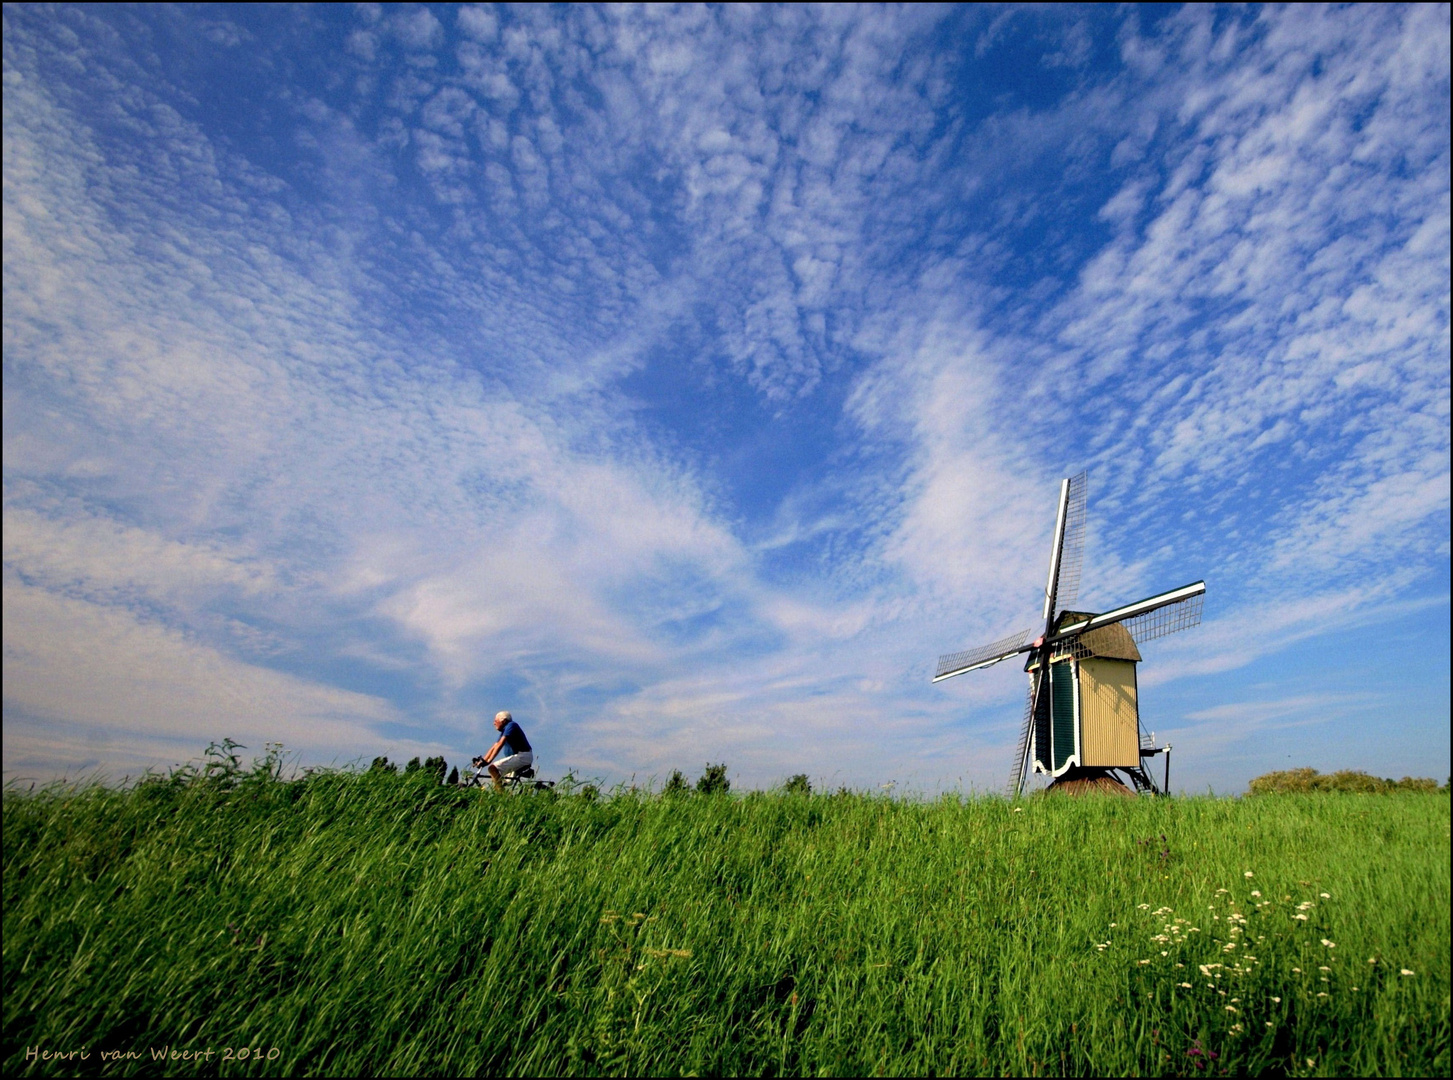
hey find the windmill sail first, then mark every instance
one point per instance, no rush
(1179, 615)
(1072, 554)
(1055, 551)
(957, 663)
(1021, 756)
(1153, 617)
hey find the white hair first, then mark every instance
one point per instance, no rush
(503, 714)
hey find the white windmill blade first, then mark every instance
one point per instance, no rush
(1055, 552)
(1189, 599)
(1021, 755)
(957, 663)
(1181, 615)
(1072, 547)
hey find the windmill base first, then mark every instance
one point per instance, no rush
(1080, 780)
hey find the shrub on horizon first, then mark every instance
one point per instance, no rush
(798, 785)
(1352, 781)
(714, 780)
(676, 785)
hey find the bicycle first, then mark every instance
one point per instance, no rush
(524, 780)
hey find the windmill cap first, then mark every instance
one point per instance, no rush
(1111, 642)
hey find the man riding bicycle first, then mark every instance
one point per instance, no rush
(518, 757)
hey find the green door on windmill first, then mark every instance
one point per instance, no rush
(1062, 712)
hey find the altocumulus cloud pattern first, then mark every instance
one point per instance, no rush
(686, 380)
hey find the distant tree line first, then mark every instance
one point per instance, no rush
(712, 781)
(435, 766)
(1352, 781)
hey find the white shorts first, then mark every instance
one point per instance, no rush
(514, 763)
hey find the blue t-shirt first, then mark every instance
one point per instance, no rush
(514, 737)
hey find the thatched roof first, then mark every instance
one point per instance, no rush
(1111, 642)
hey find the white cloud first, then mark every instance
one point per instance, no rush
(89, 686)
(90, 556)
(418, 28)
(478, 22)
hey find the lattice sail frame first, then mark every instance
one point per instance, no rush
(1163, 621)
(1003, 648)
(1182, 615)
(1021, 755)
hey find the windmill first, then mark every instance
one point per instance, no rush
(1082, 717)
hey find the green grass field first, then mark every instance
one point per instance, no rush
(374, 924)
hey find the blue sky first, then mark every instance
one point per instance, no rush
(686, 380)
